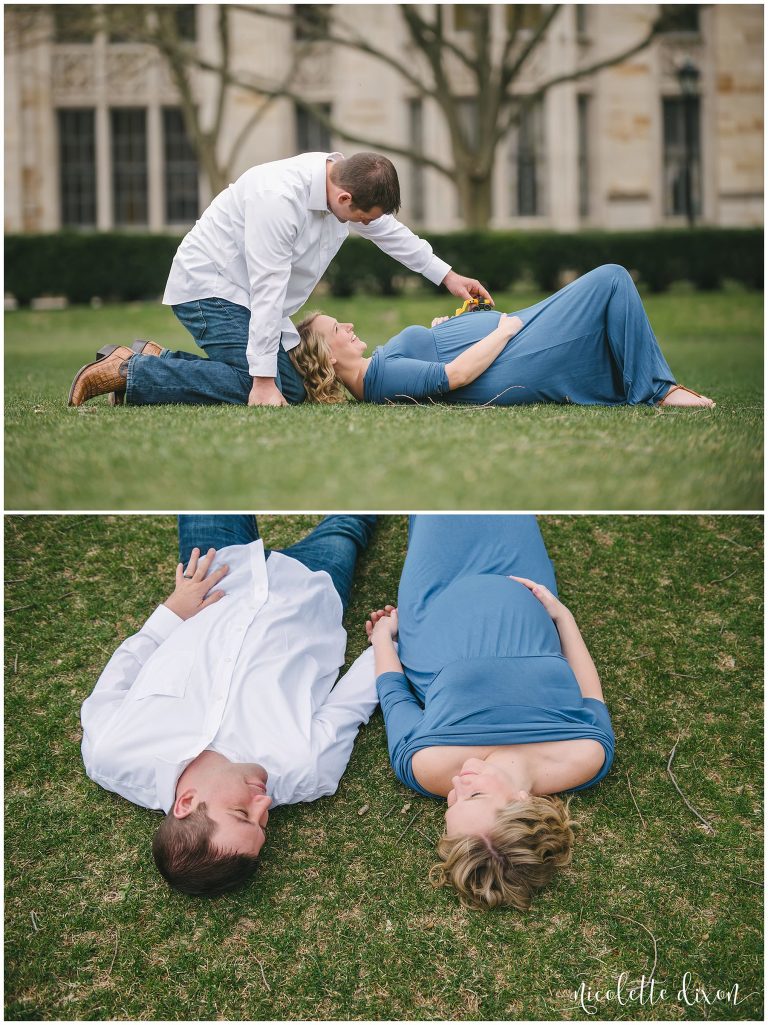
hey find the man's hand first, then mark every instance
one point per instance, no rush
(465, 288)
(554, 607)
(194, 587)
(383, 623)
(264, 392)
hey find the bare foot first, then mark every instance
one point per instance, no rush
(679, 395)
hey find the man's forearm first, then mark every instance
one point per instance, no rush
(578, 657)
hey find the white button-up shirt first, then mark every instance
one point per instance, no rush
(251, 677)
(265, 242)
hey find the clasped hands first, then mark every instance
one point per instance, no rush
(383, 623)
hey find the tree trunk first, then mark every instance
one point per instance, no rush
(475, 195)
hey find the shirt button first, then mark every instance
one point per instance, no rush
(227, 659)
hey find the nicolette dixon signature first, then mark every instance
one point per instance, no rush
(649, 991)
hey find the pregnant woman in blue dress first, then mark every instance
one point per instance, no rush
(492, 701)
(589, 343)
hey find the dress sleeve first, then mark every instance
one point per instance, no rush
(602, 719)
(402, 716)
(403, 378)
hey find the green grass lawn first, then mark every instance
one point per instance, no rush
(354, 456)
(341, 922)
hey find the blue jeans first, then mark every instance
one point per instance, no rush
(220, 328)
(333, 545)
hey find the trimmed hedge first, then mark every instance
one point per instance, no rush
(703, 256)
(118, 266)
(112, 265)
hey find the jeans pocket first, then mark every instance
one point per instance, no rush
(192, 317)
(230, 310)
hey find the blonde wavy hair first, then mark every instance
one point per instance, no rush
(312, 359)
(529, 841)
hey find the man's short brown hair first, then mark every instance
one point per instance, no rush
(189, 861)
(370, 179)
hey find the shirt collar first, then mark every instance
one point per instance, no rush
(318, 197)
(167, 775)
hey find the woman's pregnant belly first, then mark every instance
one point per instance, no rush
(479, 616)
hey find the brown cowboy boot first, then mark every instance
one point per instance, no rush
(140, 348)
(104, 375)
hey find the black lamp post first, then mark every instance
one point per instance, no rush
(688, 77)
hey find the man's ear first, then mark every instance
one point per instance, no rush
(345, 198)
(185, 803)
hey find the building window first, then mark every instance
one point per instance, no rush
(582, 13)
(465, 17)
(179, 170)
(523, 16)
(312, 135)
(77, 167)
(129, 165)
(125, 23)
(528, 165)
(73, 23)
(311, 21)
(416, 139)
(186, 22)
(583, 105)
(681, 17)
(682, 154)
(467, 111)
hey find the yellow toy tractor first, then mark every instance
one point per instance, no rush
(471, 306)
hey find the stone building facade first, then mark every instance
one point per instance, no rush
(94, 136)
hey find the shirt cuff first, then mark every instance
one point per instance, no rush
(262, 366)
(436, 270)
(162, 623)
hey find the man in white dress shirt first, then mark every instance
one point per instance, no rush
(248, 264)
(223, 705)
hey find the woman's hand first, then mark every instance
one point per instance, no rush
(439, 320)
(553, 605)
(194, 587)
(383, 623)
(509, 326)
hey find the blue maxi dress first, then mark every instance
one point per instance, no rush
(481, 657)
(589, 343)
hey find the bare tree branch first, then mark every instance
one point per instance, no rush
(530, 97)
(509, 73)
(439, 35)
(356, 42)
(222, 23)
(285, 91)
